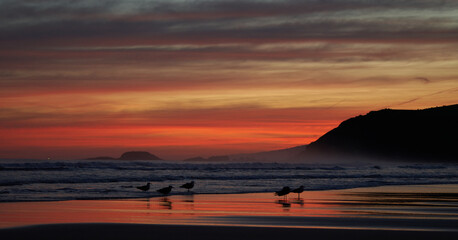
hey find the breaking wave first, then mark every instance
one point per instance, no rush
(62, 180)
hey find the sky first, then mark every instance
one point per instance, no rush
(177, 78)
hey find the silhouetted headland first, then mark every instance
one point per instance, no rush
(428, 135)
(388, 134)
(133, 155)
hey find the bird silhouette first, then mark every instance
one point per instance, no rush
(188, 185)
(144, 187)
(283, 192)
(298, 190)
(165, 190)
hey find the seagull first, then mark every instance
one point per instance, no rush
(298, 190)
(188, 185)
(145, 187)
(165, 190)
(283, 192)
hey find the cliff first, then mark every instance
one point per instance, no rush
(428, 134)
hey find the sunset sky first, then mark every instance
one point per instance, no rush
(200, 78)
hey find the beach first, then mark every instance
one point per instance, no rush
(142, 231)
(412, 211)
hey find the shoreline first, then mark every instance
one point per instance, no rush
(193, 193)
(385, 208)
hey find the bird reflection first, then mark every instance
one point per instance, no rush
(188, 198)
(148, 204)
(285, 204)
(299, 201)
(188, 204)
(165, 203)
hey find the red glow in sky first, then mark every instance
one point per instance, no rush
(181, 79)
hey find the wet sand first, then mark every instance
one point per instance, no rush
(147, 231)
(390, 211)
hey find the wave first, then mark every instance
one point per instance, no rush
(171, 166)
(143, 165)
(93, 194)
(62, 180)
(417, 166)
(68, 180)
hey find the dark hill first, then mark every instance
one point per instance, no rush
(428, 134)
(282, 155)
(134, 155)
(137, 155)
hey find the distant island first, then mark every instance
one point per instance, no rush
(401, 135)
(282, 155)
(133, 155)
(429, 135)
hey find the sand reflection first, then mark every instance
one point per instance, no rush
(165, 203)
(362, 208)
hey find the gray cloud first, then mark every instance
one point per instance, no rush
(230, 21)
(12, 9)
(79, 33)
(423, 79)
(80, 40)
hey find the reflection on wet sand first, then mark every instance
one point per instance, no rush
(188, 198)
(285, 204)
(148, 203)
(339, 208)
(165, 203)
(188, 204)
(299, 201)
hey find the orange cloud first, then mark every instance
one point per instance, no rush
(184, 78)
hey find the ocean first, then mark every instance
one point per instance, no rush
(38, 180)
